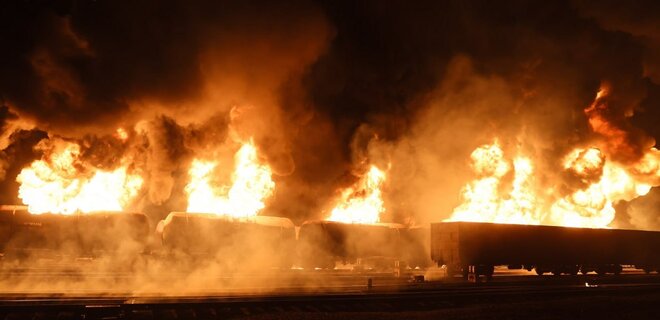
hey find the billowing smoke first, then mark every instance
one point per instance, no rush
(325, 89)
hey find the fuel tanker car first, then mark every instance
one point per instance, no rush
(470, 249)
(323, 243)
(24, 235)
(234, 242)
(473, 249)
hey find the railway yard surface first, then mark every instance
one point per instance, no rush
(70, 292)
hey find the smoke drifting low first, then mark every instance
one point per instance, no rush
(325, 89)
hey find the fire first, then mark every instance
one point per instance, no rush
(484, 199)
(617, 140)
(490, 199)
(121, 134)
(600, 182)
(251, 185)
(593, 205)
(363, 203)
(61, 183)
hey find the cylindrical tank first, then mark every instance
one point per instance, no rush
(321, 243)
(110, 232)
(90, 234)
(28, 234)
(260, 241)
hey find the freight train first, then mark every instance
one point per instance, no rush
(198, 238)
(464, 248)
(473, 249)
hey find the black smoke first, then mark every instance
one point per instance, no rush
(321, 79)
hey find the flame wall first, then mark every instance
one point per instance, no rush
(326, 89)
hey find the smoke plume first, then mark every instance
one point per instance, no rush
(326, 88)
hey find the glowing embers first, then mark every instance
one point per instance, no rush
(251, 185)
(62, 183)
(362, 203)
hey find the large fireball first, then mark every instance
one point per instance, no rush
(602, 181)
(251, 185)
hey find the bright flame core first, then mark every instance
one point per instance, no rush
(57, 185)
(592, 183)
(363, 203)
(484, 199)
(490, 199)
(252, 184)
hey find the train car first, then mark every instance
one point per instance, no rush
(25, 235)
(237, 242)
(415, 250)
(322, 243)
(110, 233)
(473, 249)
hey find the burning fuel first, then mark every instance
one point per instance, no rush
(363, 202)
(251, 185)
(481, 119)
(62, 183)
(484, 200)
(603, 182)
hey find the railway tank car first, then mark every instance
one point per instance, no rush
(234, 242)
(24, 235)
(473, 249)
(110, 233)
(322, 243)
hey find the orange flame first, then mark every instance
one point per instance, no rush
(56, 185)
(489, 199)
(593, 205)
(602, 181)
(364, 203)
(617, 140)
(252, 183)
(484, 200)
(121, 134)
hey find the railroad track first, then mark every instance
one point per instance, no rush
(416, 297)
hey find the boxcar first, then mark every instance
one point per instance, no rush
(474, 248)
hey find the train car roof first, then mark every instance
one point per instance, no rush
(260, 220)
(24, 209)
(11, 207)
(381, 224)
(468, 223)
